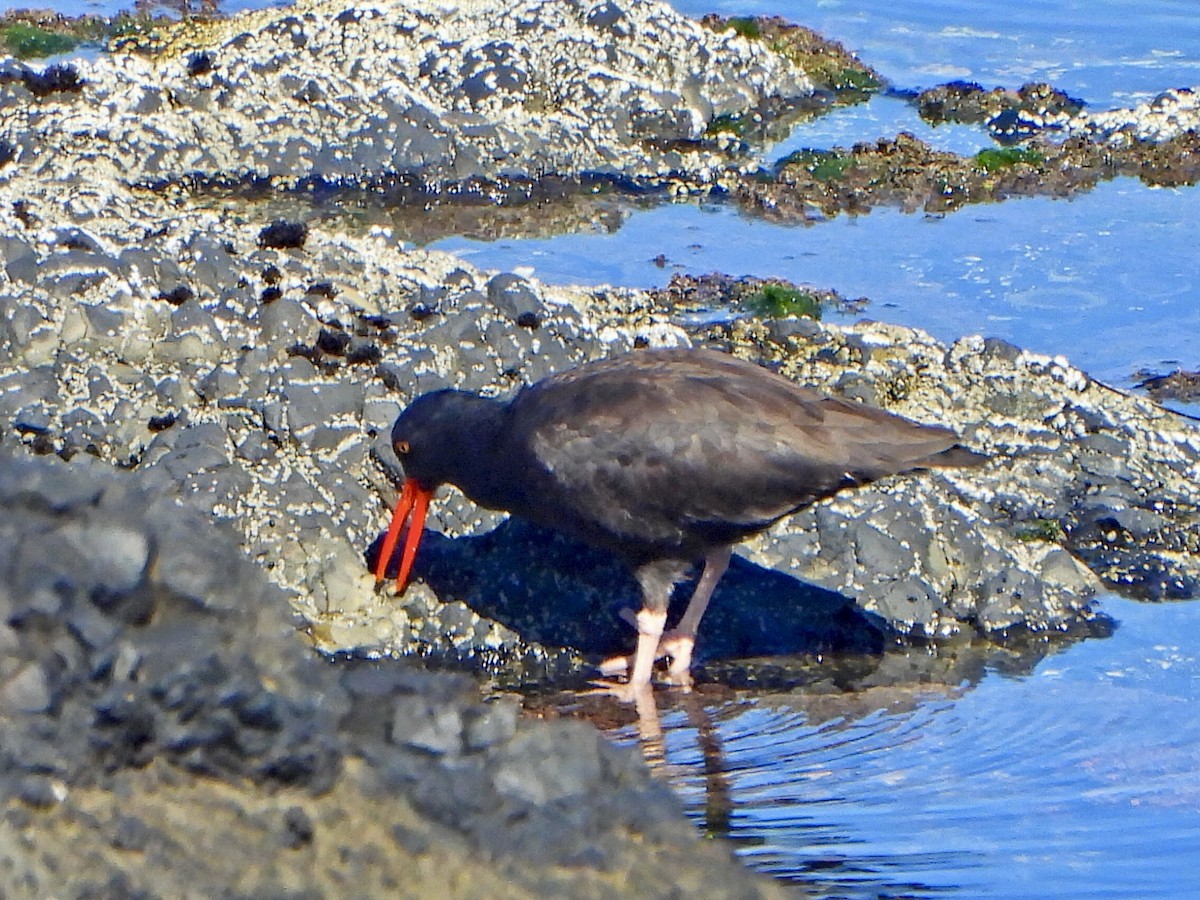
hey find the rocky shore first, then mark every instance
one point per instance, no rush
(165, 733)
(210, 392)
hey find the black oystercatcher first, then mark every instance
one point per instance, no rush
(663, 457)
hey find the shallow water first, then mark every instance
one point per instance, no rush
(1109, 54)
(1081, 778)
(1108, 279)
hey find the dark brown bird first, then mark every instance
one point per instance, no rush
(663, 457)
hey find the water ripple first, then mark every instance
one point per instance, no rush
(1081, 778)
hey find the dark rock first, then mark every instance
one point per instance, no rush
(61, 78)
(283, 235)
(410, 840)
(421, 311)
(131, 834)
(607, 16)
(335, 343)
(178, 295)
(513, 296)
(162, 423)
(298, 828)
(200, 63)
(36, 793)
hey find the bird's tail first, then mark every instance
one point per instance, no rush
(951, 457)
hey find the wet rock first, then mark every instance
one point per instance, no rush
(1181, 385)
(55, 79)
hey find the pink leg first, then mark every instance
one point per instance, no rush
(681, 640)
(650, 628)
(637, 689)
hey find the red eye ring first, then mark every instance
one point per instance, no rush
(402, 447)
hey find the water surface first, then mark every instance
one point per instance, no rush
(1110, 53)
(1080, 778)
(1109, 278)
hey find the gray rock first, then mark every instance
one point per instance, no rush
(420, 724)
(214, 702)
(26, 691)
(574, 769)
(496, 724)
(286, 323)
(122, 552)
(513, 296)
(20, 259)
(213, 266)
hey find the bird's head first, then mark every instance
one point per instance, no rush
(442, 437)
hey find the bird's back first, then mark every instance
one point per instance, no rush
(666, 452)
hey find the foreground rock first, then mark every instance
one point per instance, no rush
(152, 681)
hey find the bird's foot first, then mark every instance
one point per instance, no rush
(682, 680)
(613, 666)
(625, 691)
(677, 645)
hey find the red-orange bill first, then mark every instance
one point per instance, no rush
(414, 499)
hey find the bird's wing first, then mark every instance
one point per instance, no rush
(655, 441)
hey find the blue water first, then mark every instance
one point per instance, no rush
(1109, 279)
(1109, 52)
(1081, 779)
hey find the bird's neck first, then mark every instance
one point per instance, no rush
(477, 465)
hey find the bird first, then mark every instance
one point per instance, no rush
(664, 457)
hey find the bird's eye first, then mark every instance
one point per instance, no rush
(402, 447)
